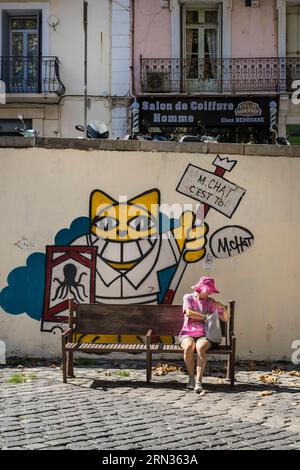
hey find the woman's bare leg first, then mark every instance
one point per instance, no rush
(188, 346)
(202, 346)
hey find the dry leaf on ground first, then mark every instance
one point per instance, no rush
(278, 371)
(265, 393)
(295, 373)
(163, 369)
(268, 379)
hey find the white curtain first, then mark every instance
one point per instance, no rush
(211, 41)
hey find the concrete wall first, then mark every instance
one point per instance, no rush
(45, 190)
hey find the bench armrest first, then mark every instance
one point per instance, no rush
(67, 333)
(232, 337)
(148, 339)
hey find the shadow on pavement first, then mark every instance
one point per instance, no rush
(107, 385)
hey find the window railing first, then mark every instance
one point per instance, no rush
(31, 74)
(269, 75)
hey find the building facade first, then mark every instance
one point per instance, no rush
(42, 65)
(228, 65)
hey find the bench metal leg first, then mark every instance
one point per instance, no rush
(64, 361)
(228, 367)
(149, 367)
(232, 363)
(70, 367)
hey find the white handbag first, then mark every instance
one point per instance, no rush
(213, 330)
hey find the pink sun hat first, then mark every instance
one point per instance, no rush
(206, 285)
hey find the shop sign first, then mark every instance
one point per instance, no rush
(177, 112)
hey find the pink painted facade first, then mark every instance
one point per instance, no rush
(152, 32)
(254, 30)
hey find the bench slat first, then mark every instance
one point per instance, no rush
(104, 347)
(128, 319)
(136, 320)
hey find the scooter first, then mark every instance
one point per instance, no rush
(153, 136)
(95, 130)
(201, 137)
(276, 138)
(24, 131)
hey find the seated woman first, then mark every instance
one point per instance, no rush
(196, 307)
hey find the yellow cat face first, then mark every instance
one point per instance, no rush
(125, 222)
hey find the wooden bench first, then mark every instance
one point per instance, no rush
(150, 321)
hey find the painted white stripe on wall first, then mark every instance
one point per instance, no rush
(120, 51)
(120, 41)
(120, 63)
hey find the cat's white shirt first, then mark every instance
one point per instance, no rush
(140, 284)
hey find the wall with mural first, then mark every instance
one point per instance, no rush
(142, 227)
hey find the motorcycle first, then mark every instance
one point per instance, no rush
(24, 131)
(95, 130)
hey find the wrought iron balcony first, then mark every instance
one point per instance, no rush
(194, 75)
(31, 74)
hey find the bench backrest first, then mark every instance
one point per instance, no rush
(163, 320)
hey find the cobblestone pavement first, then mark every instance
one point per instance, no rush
(109, 406)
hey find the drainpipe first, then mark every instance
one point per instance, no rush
(85, 27)
(132, 82)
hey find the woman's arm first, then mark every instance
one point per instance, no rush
(194, 315)
(225, 315)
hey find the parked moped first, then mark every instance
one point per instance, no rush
(24, 131)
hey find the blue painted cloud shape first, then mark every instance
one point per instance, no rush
(25, 288)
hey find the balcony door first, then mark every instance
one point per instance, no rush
(21, 50)
(201, 48)
(293, 31)
(293, 45)
(23, 44)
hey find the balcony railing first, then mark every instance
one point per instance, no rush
(268, 75)
(31, 74)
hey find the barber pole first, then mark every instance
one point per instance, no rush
(135, 116)
(273, 113)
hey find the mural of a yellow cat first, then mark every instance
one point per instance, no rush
(132, 250)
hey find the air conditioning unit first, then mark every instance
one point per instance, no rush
(157, 82)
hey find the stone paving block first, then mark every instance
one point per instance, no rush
(148, 418)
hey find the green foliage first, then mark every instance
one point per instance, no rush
(122, 373)
(19, 378)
